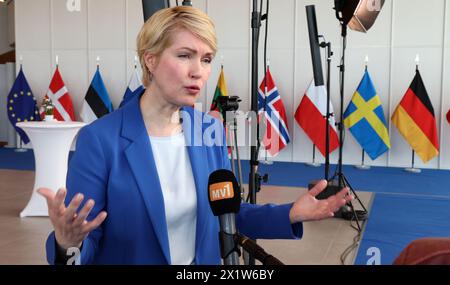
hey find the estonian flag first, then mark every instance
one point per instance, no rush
(96, 102)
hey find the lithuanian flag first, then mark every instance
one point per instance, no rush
(414, 118)
(221, 90)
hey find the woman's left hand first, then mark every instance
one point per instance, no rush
(307, 207)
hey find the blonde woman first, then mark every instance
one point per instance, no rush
(144, 175)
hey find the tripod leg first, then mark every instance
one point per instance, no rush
(353, 192)
(345, 183)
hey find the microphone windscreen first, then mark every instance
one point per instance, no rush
(224, 194)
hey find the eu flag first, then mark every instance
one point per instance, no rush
(364, 117)
(22, 105)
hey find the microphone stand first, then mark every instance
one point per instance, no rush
(259, 253)
(327, 46)
(254, 177)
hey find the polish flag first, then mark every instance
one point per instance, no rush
(311, 116)
(58, 93)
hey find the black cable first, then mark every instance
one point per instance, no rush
(350, 248)
(177, 3)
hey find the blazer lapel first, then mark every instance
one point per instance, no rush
(192, 129)
(140, 157)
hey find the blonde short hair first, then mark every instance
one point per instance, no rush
(156, 33)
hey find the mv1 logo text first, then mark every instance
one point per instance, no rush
(221, 191)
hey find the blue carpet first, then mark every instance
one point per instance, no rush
(9, 159)
(377, 179)
(396, 220)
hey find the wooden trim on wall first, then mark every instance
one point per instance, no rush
(9, 56)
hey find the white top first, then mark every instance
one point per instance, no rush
(180, 197)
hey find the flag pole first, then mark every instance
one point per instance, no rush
(412, 169)
(364, 166)
(313, 163)
(20, 149)
(98, 62)
(266, 161)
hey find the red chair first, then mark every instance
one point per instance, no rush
(425, 251)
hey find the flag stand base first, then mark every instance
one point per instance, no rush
(413, 170)
(362, 167)
(266, 162)
(313, 164)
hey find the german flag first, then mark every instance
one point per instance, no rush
(414, 118)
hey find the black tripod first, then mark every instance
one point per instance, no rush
(342, 181)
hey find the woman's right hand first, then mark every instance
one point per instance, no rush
(70, 228)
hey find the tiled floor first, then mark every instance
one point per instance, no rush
(22, 240)
(323, 241)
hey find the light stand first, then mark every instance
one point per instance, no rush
(359, 15)
(342, 181)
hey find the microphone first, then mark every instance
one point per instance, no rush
(225, 201)
(256, 251)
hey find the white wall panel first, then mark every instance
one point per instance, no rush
(232, 20)
(418, 23)
(134, 22)
(106, 20)
(32, 18)
(69, 28)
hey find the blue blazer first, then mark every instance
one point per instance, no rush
(113, 164)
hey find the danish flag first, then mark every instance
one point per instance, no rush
(58, 93)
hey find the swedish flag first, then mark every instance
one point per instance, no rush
(21, 105)
(364, 117)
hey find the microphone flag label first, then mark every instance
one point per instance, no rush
(221, 191)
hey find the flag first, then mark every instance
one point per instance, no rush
(21, 105)
(58, 93)
(414, 118)
(134, 88)
(277, 131)
(221, 90)
(96, 103)
(448, 116)
(364, 117)
(311, 117)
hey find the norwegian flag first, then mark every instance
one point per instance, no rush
(277, 131)
(58, 93)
